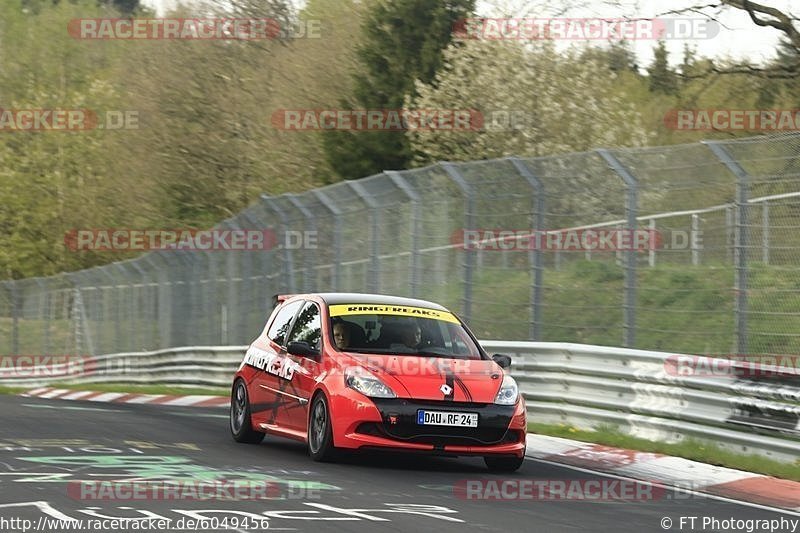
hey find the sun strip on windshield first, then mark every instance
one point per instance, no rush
(400, 310)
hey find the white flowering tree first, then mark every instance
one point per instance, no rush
(534, 100)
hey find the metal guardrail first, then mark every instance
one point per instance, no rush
(581, 385)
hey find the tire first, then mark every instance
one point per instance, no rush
(320, 431)
(240, 422)
(503, 464)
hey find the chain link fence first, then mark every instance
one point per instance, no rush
(510, 244)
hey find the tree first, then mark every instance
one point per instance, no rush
(402, 41)
(621, 57)
(662, 78)
(562, 102)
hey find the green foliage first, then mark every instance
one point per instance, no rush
(662, 77)
(571, 102)
(402, 41)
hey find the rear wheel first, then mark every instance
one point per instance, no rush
(241, 424)
(320, 431)
(503, 464)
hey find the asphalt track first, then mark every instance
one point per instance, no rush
(46, 445)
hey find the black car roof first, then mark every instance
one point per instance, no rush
(333, 298)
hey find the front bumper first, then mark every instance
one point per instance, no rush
(392, 423)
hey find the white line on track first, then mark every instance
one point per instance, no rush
(193, 415)
(667, 486)
(72, 408)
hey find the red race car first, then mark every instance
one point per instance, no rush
(359, 371)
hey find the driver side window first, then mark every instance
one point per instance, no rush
(280, 326)
(308, 326)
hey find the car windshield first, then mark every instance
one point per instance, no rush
(400, 330)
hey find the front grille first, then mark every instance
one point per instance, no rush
(400, 423)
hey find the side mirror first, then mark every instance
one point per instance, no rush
(503, 360)
(302, 348)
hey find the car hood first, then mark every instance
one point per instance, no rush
(429, 378)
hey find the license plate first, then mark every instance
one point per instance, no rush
(447, 418)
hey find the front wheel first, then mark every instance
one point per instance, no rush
(320, 432)
(241, 424)
(503, 464)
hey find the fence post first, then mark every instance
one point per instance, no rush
(40, 315)
(765, 232)
(740, 241)
(375, 249)
(730, 233)
(308, 263)
(101, 338)
(232, 307)
(337, 236)
(651, 253)
(13, 295)
(469, 217)
(263, 268)
(286, 251)
(414, 199)
(693, 239)
(536, 253)
(631, 212)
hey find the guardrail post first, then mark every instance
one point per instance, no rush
(308, 263)
(375, 252)
(740, 240)
(631, 211)
(287, 253)
(414, 199)
(337, 237)
(536, 253)
(469, 217)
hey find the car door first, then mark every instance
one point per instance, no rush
(266, 355)
(307, 328)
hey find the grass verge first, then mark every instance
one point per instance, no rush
(693, 449)
(13, 390)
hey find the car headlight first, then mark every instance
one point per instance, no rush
(366, 383)
(508, 393)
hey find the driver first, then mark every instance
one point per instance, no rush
(412, 336)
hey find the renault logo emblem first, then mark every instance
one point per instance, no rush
(446, 389)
